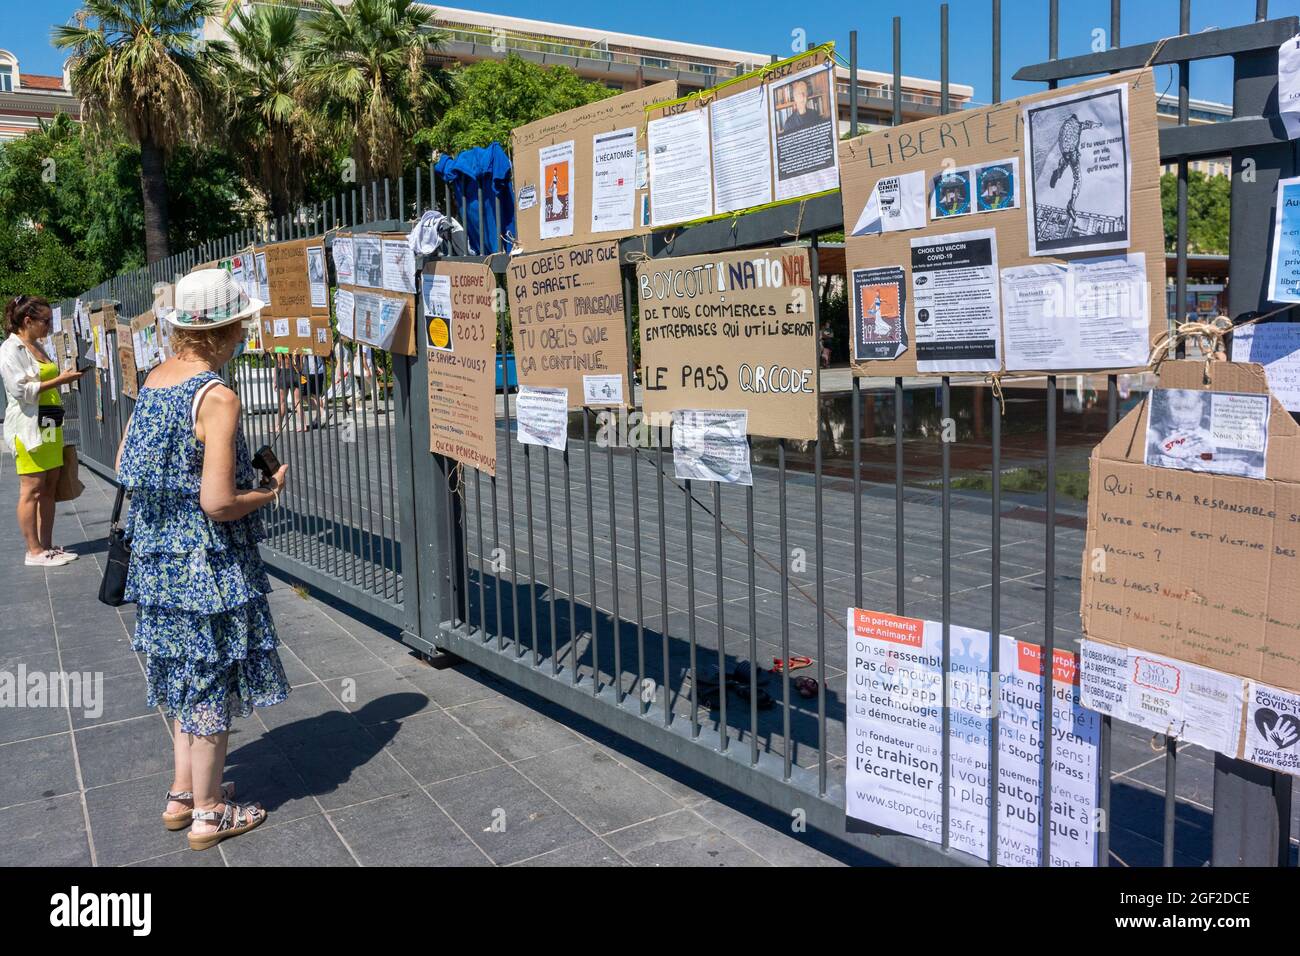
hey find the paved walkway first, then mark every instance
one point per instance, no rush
(376, 758)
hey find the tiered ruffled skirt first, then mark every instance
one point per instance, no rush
(202, 620)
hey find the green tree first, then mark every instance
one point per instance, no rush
(33, 261)
(1209, 201)
(83, 193)
(273, 136)
(364, 70)
(492, 97)
(140, 68)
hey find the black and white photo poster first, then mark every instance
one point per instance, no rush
(316, 278)
(1080, 172)
(710, 444)
(805, 133)
(1224, 433)
(1272, 727)
(955, 296)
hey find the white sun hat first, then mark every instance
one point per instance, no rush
(209, 298)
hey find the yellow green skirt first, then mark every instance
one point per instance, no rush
(43, 457)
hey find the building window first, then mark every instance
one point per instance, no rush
(707, 69)
(6, 78)
(655, 62)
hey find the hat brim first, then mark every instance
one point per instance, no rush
(254, 306)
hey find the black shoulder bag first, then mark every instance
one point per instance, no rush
(112, 590)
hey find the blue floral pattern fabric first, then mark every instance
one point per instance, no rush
(203, 621)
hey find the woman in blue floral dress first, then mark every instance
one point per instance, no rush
(203, 621)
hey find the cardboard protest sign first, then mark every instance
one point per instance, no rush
(765, 137)
(126, 358)
(366, 318)
(734, 330)
(571, 172)
(460, 325)
(1196, 565)
(566, 309)
(1091, 181)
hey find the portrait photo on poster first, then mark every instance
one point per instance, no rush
(1079, 178)
(879, 301)
(1224, 433)
(805, 133)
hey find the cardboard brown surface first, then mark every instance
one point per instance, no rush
(713, 329)
(580, 125)
(461, 352)
(404, 340)
(770, 76)
(566, 308)
(1200, 567)
(130, 383)
(987, 135)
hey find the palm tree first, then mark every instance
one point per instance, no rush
(139, 66)
(273, 135)
(363, 67)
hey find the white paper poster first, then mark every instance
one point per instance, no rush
(1192, 703)
(613, 186)
(1079, 176)
(280, 327)
(1284, 269)
(710, 445)
(556, 211)
(1272, 727)
(602, 390)
(56, 319)
(369, 261)
(805, 132)
(304, 329)
(317, 280)
(955, 297)
(542, 416)
(1084, 314)
(680, 181)
(1288, 86)
(896, 203)
(344, 256)
(263, 281)
(399, 266)
(1276, 346)
(742, 153)
(344, 308)
(1224, 433)
(893, 776)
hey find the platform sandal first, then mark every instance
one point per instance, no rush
(237, 818)
(181, 819)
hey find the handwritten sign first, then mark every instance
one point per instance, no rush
(1199, 567)
(566, 308)
(732, 331)
(460, 345)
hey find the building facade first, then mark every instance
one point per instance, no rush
(625, 61)
(28, 99)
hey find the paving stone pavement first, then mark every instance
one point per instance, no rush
(376, 758)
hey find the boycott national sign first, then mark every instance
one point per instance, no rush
(731, 331)
(460, 341)
(893, 777)
(566, 308)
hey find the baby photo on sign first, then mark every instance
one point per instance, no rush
(1223, 433)
(878, 302)
(1079, 172)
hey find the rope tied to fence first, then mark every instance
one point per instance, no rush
(994, 380)
(1207, 336)
(798, 223)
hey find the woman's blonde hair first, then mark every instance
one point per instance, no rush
(205, 342)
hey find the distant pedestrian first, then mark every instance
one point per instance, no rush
(203, 621)
(34, 423)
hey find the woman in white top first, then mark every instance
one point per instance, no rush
(34, 423)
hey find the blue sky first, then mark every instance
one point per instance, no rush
(767, 26)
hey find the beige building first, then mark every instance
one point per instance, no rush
(625, 61)
(28, 99)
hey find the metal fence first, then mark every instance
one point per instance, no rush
(597, 580)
